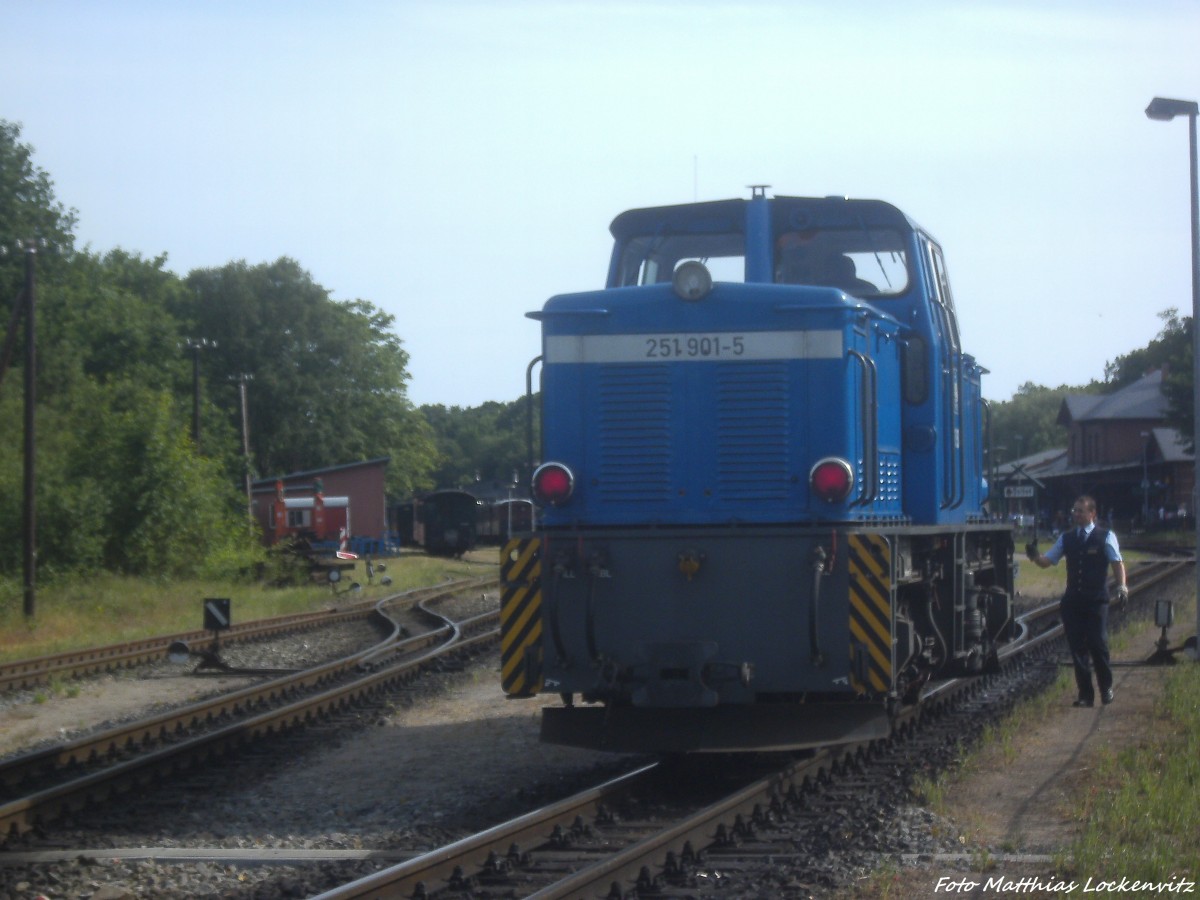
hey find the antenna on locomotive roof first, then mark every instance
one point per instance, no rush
(758, 191)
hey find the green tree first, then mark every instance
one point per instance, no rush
(487, 443)
(1172, 350)
(121, 487)
(171, 509)
(107, 318)
(119, 484)
(28, 210)
(329, 377)
(1027, 423)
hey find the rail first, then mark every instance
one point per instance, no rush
(74, 663)
(530, 853)
(59, 779)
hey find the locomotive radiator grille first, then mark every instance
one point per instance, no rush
(752, 432)
(521, 617)
(635, 433)
(870, 613)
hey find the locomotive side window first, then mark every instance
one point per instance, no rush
(945, 301)
(866, 262)
(652, 259)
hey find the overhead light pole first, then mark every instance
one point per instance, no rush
(241, 378)
(30, 517)
(1162, 109)
(26, 304)
(195, 345)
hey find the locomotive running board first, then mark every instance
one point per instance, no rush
(719, 729)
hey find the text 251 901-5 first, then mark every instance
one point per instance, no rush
(694, 346)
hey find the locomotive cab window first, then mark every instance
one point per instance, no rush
(653, 259)
(947, 317)
(866, 262)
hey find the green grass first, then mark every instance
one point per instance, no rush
(1048, 584)
(1139, 814)
(108, 609)
(1141, 810)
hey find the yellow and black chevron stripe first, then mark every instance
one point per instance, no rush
(521, 617)
(870, 613)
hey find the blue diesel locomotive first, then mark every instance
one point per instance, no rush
(762, 493)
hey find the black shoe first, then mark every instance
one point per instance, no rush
(1106, 697)
(1082, 701)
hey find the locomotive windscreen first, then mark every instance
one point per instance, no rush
(861, 261)
(652, 259)
(866, 261)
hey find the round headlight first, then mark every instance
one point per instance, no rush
(692, 280)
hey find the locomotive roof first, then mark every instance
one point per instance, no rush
(793, 212)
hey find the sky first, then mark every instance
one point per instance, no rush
(458, 163)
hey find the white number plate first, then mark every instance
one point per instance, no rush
(722, 346)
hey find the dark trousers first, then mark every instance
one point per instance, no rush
(1086, 628)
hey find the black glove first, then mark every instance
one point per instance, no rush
(1031, 550)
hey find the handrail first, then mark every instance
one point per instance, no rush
(529, 457)
(960, 444)
(870, 428)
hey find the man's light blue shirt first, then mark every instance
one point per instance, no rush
(1111, 548)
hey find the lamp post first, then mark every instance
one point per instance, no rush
(195, 345)
(241, 379)
(1162, 109)
(29, 566)
(26, 303)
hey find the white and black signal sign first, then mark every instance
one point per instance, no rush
(216, 614)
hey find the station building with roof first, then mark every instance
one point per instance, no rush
(1121, 449)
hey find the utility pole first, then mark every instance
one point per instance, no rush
(242, 378)
(195, 345)
(1164, 109)
(30, 517)
(26, 304)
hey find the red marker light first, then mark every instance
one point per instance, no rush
(831, 480)
(553, 484)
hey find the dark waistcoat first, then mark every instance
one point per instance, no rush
(1087, 566)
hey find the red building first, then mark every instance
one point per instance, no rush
(353, 496)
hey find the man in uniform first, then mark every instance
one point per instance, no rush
(1090, 551)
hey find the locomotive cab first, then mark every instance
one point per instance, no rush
(761, 485)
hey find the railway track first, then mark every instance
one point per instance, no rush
(799, 814)
(623, 838)
(89, 661)
(42, 785)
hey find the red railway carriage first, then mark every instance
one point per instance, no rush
(312, 516)
(502, 519)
